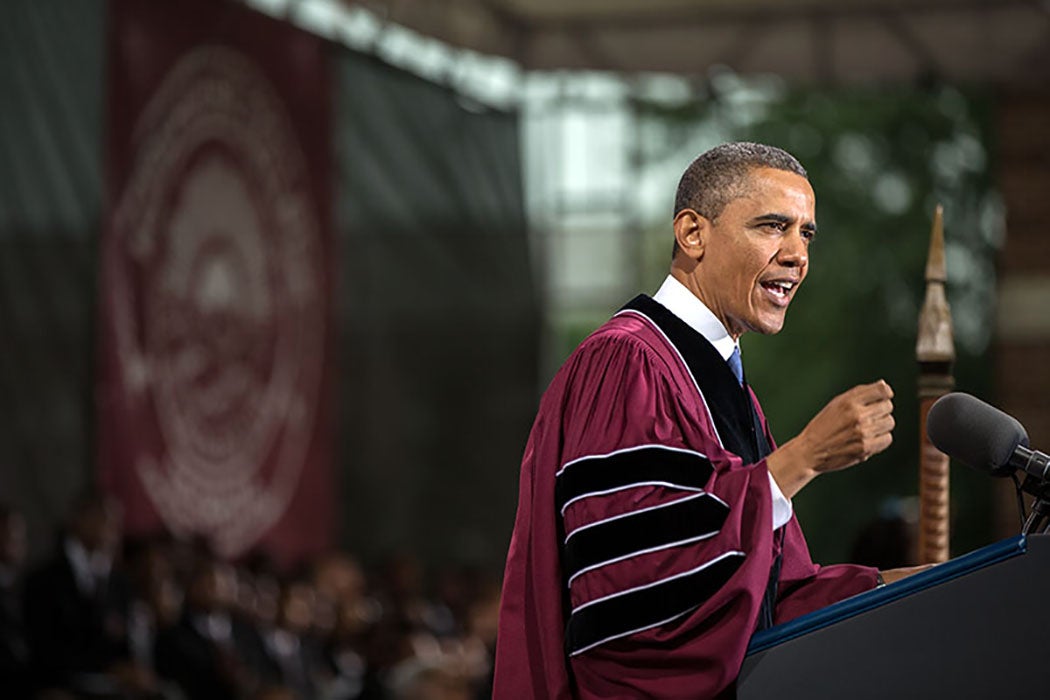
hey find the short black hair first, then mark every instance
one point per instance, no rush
(718, 176)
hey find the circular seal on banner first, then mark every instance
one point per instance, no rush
(217, 282)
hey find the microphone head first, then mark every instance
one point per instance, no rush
(975, 433)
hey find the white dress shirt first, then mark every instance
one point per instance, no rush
(90, 569)
(676, 298)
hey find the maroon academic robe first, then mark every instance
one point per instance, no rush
(644, 541)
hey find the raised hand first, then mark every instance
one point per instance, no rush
(853, 426)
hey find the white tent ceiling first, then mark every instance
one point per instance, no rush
(812, 41)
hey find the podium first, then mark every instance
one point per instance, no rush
(976, 627)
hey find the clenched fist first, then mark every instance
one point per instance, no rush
(853, 426)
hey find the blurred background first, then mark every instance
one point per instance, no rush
(284, 280)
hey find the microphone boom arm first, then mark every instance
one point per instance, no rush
(1033, 462)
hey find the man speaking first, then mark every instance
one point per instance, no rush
(655, 532)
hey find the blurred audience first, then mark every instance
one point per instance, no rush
(164, 617)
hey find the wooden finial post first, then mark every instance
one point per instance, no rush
(935, 352)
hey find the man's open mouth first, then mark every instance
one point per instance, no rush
(781, 289)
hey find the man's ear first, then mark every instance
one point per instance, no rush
(690, 233)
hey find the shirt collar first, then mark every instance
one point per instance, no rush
(80, 563)
(677, 299)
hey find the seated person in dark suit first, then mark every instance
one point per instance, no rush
(293, 658)
(76, 605)
(209, 653)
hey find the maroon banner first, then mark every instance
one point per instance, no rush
(214, 413)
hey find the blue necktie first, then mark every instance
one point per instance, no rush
(737, 366)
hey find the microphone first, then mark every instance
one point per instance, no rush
(983, 437)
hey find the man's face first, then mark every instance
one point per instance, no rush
(99, 527)
(756, 253)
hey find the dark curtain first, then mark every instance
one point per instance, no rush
(438, 316)
(50, 200)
